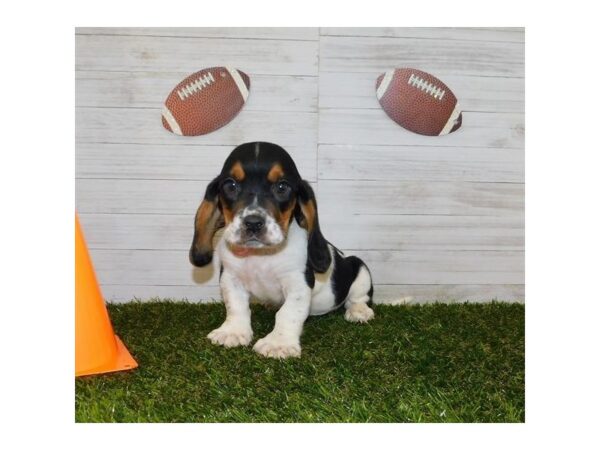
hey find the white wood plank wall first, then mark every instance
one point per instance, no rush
(438, 219)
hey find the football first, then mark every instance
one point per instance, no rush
(205, 101)
(418, 102)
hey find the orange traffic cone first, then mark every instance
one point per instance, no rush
(97, 348)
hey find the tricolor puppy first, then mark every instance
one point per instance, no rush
(273, 251)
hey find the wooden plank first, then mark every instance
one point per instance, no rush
(422, 232)
(115, 196)
(166, 162)
(470, 34)
(151, 268)
(187, 55)
(138, 231)
(420, 197)
(172, 267)
(430, 293)
(487, 94)
(150, 89)
(370, 162)
(356, 232)
(384, 293)
(438, 56)
(444, 267)
(373, 126)
(143, 126)
(139, 196)
(287, 33)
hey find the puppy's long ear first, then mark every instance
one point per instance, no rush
(306, 214)
(208, 220)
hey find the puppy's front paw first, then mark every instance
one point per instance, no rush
(229, 335)
(359, 313)
(279, 347)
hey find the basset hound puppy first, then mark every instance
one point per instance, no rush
(272, 250)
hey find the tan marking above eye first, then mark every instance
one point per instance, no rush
(275, 173)
(237, 172)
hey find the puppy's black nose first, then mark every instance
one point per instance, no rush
(254, 223)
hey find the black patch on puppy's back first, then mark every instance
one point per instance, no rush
(309, 276)
(344, 273)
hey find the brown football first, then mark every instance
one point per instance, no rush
(205, 101)
(418, 102)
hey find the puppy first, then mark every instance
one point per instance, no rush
(272, 250)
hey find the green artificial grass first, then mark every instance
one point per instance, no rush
(431, 363)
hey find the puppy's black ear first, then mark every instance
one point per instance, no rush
(306, 214)
(209, 219)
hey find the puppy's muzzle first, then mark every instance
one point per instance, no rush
(253, 227)
(254, 224)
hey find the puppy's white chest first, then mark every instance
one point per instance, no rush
(261, 286)
(264, 276)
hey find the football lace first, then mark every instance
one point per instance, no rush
(431, 89)
(195, 86)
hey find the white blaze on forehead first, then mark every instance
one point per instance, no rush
(256, 150)
(252, 209)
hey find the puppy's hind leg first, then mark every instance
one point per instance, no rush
(359, 295)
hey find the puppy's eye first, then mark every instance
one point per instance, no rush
(281, 190)
(230, 188)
